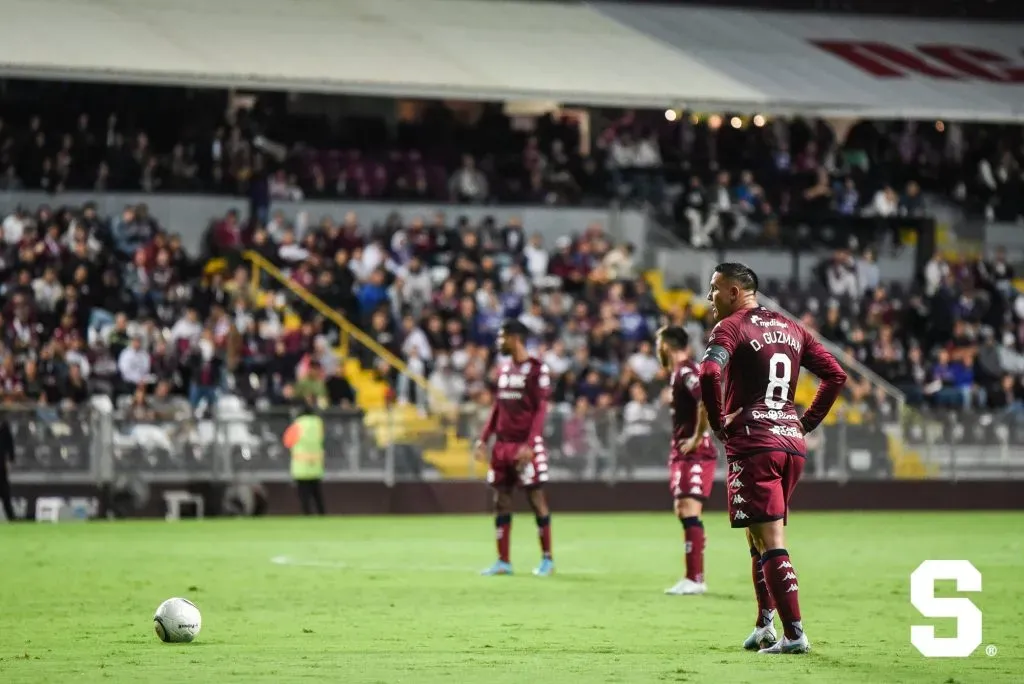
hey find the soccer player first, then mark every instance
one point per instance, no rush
(692, 455)
(518, 457)
(760, 353)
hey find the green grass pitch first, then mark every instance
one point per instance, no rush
(398, 599)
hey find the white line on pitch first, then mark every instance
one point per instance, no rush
(341, 565)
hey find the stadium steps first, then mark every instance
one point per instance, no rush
(388, 422)
(907, 463)
(455, 460)
(666, 299)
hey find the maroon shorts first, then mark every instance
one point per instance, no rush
(759, 487)
(505, 470)
(691, 478)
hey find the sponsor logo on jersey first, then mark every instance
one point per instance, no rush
(768, 322)
(773, 415)
(511, 386)
(787, 431)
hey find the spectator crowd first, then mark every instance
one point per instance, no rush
(953, 339)
(115, 306)
(717, 179)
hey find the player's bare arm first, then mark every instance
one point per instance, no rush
(480, 447)
(690, 445)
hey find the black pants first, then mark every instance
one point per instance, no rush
(311, 496)
(5, 494)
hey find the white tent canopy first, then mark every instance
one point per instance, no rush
(597, 54)
(470, 49)
(779, 55)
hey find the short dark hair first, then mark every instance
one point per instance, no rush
(514, 327)
(741, 273)
(675, 336)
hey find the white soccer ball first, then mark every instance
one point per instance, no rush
(177, 620)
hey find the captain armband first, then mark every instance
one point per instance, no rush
(717, 354)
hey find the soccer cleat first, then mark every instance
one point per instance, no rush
(761, 638)
(545, 569)
(687, 587)
(499, 568)
(786, 646)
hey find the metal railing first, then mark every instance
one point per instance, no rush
(93, 446)
(348, 330)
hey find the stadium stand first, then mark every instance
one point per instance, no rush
(217, 216)
(392, 319)
(122, 300)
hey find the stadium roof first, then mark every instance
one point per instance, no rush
(597, 54)
(877, 67)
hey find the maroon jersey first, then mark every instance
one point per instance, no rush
(685, 384)
(760, 353)
(518, 413)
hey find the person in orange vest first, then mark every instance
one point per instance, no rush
(305, 439)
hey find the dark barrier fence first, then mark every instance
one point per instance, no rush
(121, 464)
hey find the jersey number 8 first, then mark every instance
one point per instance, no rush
(780, 372)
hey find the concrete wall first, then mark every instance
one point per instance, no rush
(189, 215)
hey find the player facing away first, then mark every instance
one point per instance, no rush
(755, 355)
(518, 458)
(691, 459)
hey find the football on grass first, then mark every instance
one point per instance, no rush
(177, 621)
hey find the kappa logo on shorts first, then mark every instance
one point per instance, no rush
(737, 500)
(736, 468)
(735, 484)
(789, 576)
(696, 479)
(695, 490)
(740, 515)
(785, 564)
(695, 468)
(791, 588)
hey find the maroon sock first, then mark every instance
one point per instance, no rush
(693, 533)
(503, 528)
(544, 531)
(782, 582)
(765, 603)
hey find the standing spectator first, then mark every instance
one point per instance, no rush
(6, 460)
(468, 184)
(206, 369)
(446, 383)
(868, 274)
(840, 275)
